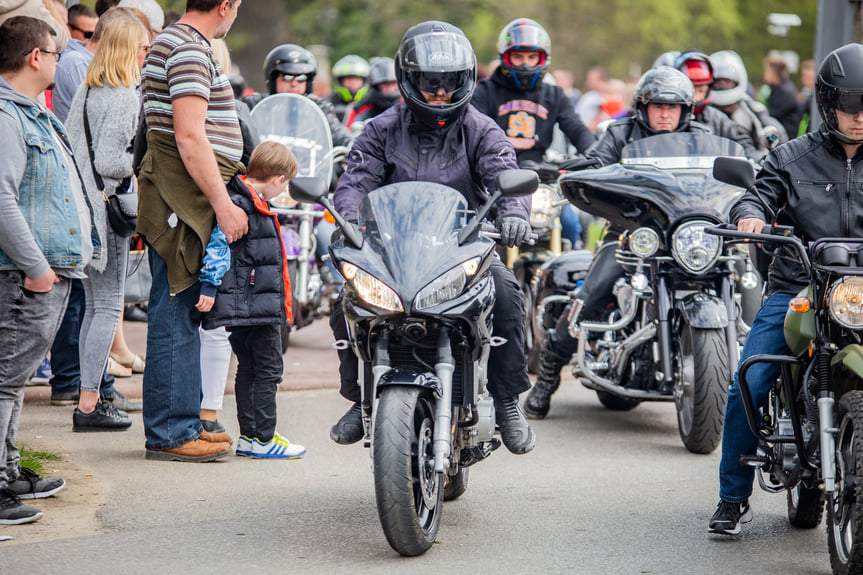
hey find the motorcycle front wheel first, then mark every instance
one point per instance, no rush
(844, 520)
(701, 387)
(408, 491)
(805, 506)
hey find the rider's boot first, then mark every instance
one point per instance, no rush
(515, 431)
(349, 428)
(555, 354)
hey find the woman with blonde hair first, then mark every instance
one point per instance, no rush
(106, 105)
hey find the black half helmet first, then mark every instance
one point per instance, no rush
(839, 86)
(435, 55)
(664, 85)
(290, 59)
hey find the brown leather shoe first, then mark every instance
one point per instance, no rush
(193, 451)
(215, 437)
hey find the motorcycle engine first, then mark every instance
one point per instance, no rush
(485, 425)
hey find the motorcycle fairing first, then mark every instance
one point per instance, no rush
(412, 378)
(704, 311)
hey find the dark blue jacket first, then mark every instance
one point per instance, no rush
(255, 289)
(467, 155)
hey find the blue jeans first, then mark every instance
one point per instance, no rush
(323, 232)
(766, 337)
(65, 351)
(570, 225)
(172, 375)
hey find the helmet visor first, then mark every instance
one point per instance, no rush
(526, 37)
(849, 102)
(437, 52)
(431, 82)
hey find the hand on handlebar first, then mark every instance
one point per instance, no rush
(514, 231)
(750, 225)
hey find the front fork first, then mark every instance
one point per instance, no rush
(306, 233)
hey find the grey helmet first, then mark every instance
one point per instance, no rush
(667, 59)
(664, 85)
(727, 65)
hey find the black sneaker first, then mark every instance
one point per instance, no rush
(729, 516)
(515, 431)
(106, 417)
(349, 428)
(13, 512)
(123, 403)
(212, 426)
(30, 486)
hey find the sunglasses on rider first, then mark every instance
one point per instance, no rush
(849, 103)
(87, 33)
(298, 77)
(431, 82)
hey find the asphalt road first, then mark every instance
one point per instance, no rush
(602, 492)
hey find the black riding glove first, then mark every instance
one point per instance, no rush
(513, 231)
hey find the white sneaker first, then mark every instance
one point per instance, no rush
(277, 448)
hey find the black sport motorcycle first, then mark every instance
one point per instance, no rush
(672, 332)
(418, 300)
(810, 433)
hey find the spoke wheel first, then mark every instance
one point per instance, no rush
(408, 491)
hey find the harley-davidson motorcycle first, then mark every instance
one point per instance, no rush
(418, 299)
(810, 434)
(300, 124)
(673, 333)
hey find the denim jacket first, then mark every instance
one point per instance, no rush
(43, 194)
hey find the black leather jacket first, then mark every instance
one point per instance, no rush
(818, 190)
(625, 131)
(724, 127)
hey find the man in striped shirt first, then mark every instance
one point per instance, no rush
(194, 145)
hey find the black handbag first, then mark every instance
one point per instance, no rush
(122, 205)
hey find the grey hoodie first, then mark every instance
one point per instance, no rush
(16, 240)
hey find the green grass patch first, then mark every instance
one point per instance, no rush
(35, 460)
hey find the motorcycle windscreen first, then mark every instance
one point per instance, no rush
(298, 123)
(659, 180)
(412, 228)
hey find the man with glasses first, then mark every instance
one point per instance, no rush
(82, 22)
(435, 135)
(47, 238)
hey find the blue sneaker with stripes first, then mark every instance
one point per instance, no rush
(277, 448)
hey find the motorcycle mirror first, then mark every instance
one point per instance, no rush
(307, 189)
(734, 171)
(516, 183)
(314, 191)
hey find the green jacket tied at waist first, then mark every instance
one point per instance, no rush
(166, 188)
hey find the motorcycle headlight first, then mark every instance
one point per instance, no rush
(283, 200)
(693, 249)
(846, 302)
(446, 286)
(644, 242)
(371, 289)
(542, 208)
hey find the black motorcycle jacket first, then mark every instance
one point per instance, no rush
(625, 131)
(724, 127)
(466, 155)
(817, 189)
(528, 116)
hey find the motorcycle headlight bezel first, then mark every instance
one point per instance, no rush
(447, 286)
(695, 251)
(372, 290)
(542, 208)
(644, 242)
(846, 291)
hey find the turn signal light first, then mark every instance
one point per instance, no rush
(328, 217)
(800, 304)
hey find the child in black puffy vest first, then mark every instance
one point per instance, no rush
(245, 287)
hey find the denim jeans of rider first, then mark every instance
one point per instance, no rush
(259, 371)
(30, 321)
(766, 337)
(172, 375)
(507, 364)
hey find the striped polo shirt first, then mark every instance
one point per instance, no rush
(181, 63)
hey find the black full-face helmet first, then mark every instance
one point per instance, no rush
(664, 85)
(839, 86)
(431, 56)
(290, 59)
(523, 35)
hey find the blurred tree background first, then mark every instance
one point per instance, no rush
(625, 36)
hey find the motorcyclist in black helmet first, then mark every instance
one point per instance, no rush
(696, 65)
(816, 183)
(382, 95)
(663, 102)
(436, 126)
(525, 107)
(291, 69)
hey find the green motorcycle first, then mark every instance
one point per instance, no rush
(810, 434)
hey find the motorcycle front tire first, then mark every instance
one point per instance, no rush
(844, 520)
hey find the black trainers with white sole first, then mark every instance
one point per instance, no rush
(729, 517)
(30, 486)
(13, 512)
